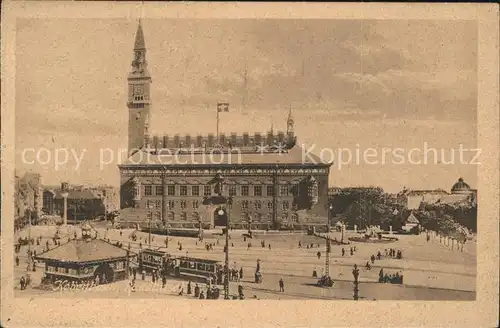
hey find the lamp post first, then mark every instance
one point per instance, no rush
(150, 217)
(330, 208)
(355, 273)
(250, 225)
(200, 228)
(219, 181)
(164, 204)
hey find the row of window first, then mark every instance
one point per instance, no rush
(150, 190)
(245, 204)
(195, 216)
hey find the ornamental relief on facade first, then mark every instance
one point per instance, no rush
(232, 171)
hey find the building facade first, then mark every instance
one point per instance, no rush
(168, 180)
(459, 192)
(28, 195)
(82, 203)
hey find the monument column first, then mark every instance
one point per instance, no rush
(65, 208)
(65, 194)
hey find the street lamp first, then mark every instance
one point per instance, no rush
(330, 208)
(150, 217)
(218, 182)
(355, 273)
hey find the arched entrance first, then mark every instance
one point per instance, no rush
(104, 274)
(220, 220)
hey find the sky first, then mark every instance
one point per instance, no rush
(351, 84)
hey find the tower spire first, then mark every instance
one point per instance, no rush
(139, 43)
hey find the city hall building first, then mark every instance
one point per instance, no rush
(167, 181)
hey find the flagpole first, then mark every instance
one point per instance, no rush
(217, 123)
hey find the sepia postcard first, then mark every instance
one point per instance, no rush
(249, 164)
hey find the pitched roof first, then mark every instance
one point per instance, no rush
(412, 219)
(295, 155)
(79, 250)
(77, 194)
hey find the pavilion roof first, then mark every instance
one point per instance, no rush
(79, 250)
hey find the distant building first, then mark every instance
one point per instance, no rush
(333, 191)
(460, 192)
(410, 223)
(110, 196)
(82, 203)
(28, 195)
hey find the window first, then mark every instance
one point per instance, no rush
(270, 205)
(158, 215)
(258, 205)
(285, 205)
(244, 191)
(183, 204)
(295, 218)
(270, 190)
(149, 204)
(195, 190)
(171, 190)
(284, 191)
(284, 217)
(158, 204)
(244, 205)
(148, 190)
(232, 190)
(258, 217)
(207, 190)
(257, 190)
(184, 190)
(196, 204)
(184, 216)
(159, 190)
(171, 204)
(196, 216)
(171, 216)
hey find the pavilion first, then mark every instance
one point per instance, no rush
(86, 259)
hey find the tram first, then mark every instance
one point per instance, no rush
(150, 260)
(195, 269)
(190, 268)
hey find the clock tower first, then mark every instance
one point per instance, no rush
(139, 91)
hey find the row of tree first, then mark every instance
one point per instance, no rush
(372, 206)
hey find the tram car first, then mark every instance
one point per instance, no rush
(150, 260)
(195, 269)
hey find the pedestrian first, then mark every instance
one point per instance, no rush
(241, 273)
(343, 251)
(282, 285)
(23, 283)
(189, 287)
(318, 254)
(352, 251)
(17, 261)
(269, 246)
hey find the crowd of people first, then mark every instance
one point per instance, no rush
(396, 278)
